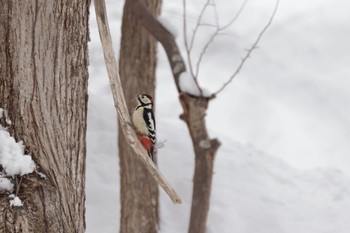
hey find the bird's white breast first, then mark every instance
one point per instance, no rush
(138, 121)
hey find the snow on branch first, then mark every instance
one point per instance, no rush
(120, 104)
(188, 85)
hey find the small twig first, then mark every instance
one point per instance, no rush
(198, 24)
(189, 47)
(204, 50)
(120, 104)
(217, 32)
(216, 14)
(218, 29)
(210, 41)
(239, 12)
(207, 25)
(18, 184)
(249, 51)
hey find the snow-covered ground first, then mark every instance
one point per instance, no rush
(284, 122)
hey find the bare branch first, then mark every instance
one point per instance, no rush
(189, 47)
(120, 104)
(235, 17)
(207, 25)
(199, 23)
(185, 25)
(217, 32)
(216, 14)
(204, 50)
(250, 50)
(210, 40)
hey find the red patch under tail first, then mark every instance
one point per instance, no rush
(146, 143)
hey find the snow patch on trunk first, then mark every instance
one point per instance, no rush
(12, 157)
(15, 201)
(5, 184)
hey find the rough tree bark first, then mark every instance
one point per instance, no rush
(139, 191)
(194, 115)
(43, 86)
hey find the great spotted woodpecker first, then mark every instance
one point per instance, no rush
(144, 123)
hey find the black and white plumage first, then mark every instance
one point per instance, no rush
(144, 122)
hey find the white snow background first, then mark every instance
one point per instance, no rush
(284, 122)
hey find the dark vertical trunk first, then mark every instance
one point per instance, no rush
(139, 191)
(43, 87)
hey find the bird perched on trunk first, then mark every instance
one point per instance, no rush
(144, 123)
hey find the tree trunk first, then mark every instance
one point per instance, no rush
(139, 191)
(194, 115)
(43, 86)
(205, 150)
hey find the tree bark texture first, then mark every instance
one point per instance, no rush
(139, 191)
(43, 87)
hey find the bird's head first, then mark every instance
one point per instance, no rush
(144, 99)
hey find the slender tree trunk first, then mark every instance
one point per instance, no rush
(43, 86)
(139, 191)
(194, 115)
(205, 151)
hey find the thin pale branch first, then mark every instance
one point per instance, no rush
(210, 41)
(120, 104)
(216, 14)
(198, 24)
(189, 47)
(239, 12)
(218, 30)
(207, 25)
(204, 50)
(185, 24)
(249, 51)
